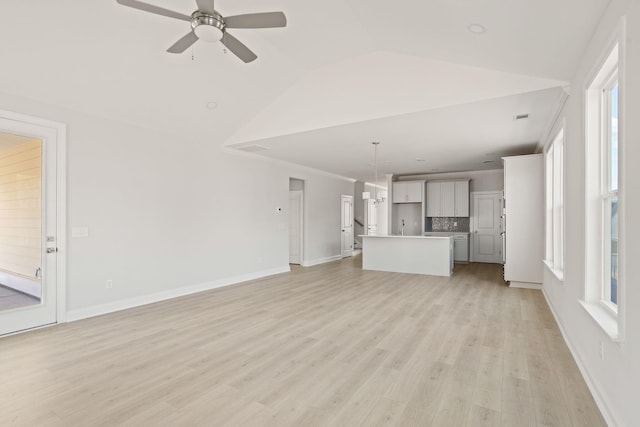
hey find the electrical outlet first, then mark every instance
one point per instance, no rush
(601, 350)
(455, 223)
(109, 284)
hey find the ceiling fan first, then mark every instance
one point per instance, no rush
(209, 25)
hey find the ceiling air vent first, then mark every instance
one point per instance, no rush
(521, 116)
(252, 148)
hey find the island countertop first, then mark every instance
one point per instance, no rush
(392, 236)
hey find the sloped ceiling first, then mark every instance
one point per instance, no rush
(378, 85)
(338, 63)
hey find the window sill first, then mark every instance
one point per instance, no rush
(604, 318)
(558, 273)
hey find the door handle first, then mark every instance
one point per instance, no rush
(52, 250)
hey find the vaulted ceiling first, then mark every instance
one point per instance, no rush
(341, 74)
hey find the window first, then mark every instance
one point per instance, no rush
(554, 185)
(603, 232)
(610, 192)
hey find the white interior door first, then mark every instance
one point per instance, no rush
(372, 217)
(487, 242)
(347, 225)
(41, 229)
(295, 226)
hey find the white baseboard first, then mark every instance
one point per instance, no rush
(591, 384)
(97, 310)
(321, 260)
(525, 285)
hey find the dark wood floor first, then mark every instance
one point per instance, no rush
(330, 345)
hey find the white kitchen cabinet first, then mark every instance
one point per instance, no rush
(407, 191)
(523, 219)
(448, 198)
(462, 198)
(461, 248)
(434, 193)
(407, 208)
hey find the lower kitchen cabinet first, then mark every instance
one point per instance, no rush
(461, 248)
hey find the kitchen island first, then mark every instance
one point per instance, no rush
(431, 255)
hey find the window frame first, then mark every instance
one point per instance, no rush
(597, 179)
(607, 194)
(554, 201)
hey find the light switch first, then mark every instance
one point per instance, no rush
(80, 231)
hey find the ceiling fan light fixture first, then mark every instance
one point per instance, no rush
(207, 33)
(208, 28)
(476, 28)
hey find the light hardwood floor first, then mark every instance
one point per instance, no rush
(330, 345)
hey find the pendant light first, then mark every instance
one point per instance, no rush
(378, 198)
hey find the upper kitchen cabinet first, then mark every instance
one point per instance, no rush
(434, 194)
(408, 191)
(407, 209)
(462, 198)
(448, 198)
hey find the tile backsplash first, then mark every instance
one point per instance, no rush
(446, 224)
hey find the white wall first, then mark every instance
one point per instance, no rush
(322, 214)
(484, 180)
(616, 379)
(166, 212)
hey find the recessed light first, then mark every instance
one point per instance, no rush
(477, 28)
(211, 105)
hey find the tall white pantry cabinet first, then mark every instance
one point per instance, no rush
(523, 218)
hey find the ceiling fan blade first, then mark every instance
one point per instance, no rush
(154, 9)
(205, 6)
(256, 20)
(184, 43)
(238, 48)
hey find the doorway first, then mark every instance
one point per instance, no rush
(31, 222)
(346, 226)
(296, 221)
(486, 227)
